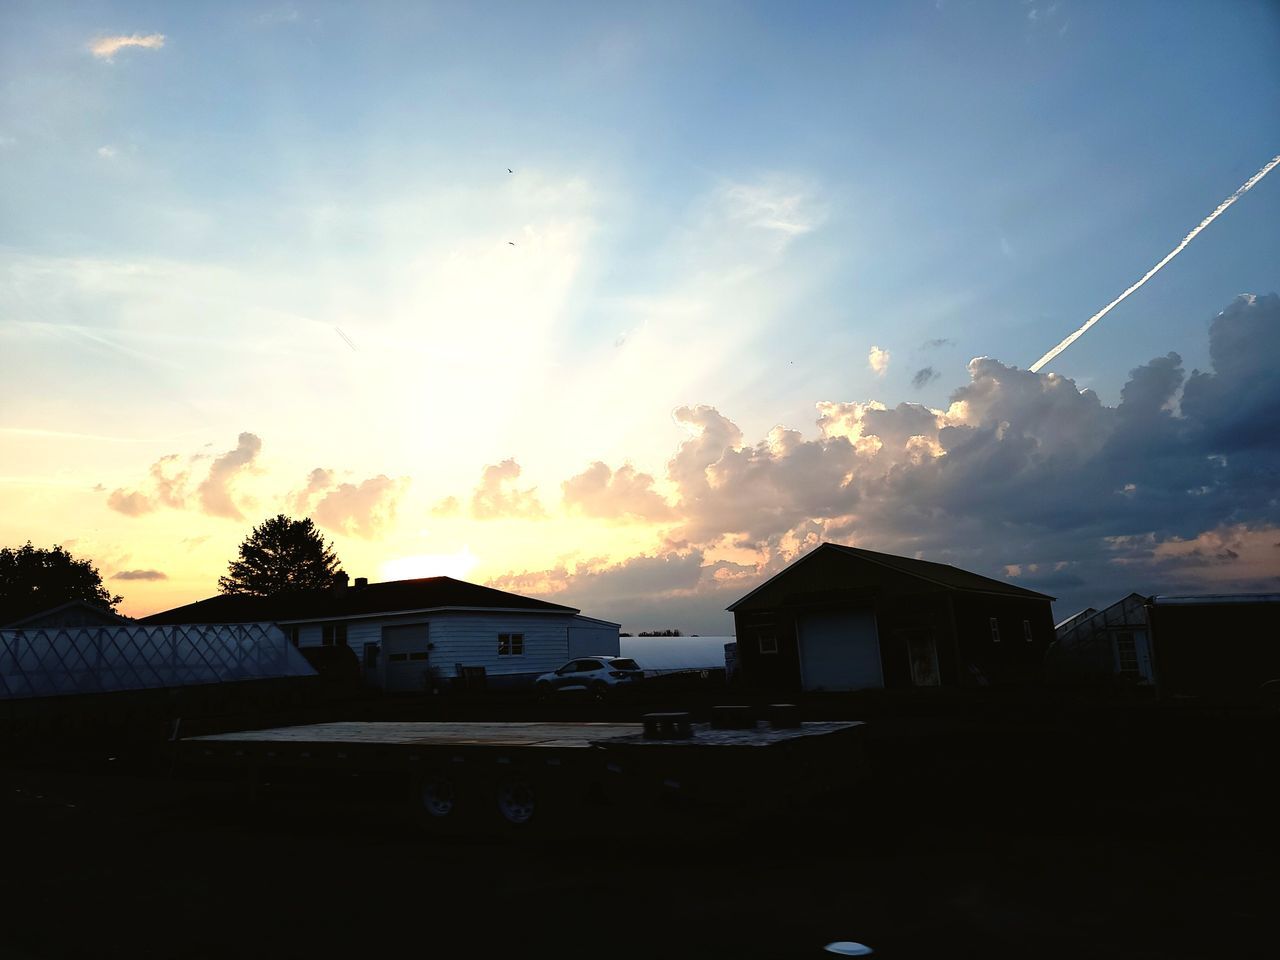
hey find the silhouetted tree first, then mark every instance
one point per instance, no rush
(33, 579)
(659, 633)
(282, 555)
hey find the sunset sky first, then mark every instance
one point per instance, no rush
(261, 258)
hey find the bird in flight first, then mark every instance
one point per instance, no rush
(510, 243)
(509, 170)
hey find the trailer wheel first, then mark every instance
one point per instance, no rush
(438, 797)
(516, 800)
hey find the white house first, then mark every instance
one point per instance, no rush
(412, 635)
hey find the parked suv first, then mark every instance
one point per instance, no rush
(596, 676)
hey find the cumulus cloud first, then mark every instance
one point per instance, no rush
(140, 575)
(167, 484)
(497, 495)
(1024, 475)
(878, 360)
(105, 48)
(364, 509)
(622, 494)
(923, 377)
(107, 152)
(215, 492)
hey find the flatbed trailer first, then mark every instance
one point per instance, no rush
(516, 775)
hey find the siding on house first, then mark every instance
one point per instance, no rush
(589, 637)
(468, 639)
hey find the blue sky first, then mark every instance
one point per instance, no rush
(719, 204)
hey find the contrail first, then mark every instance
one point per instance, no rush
(1248, 185)
(345, 337)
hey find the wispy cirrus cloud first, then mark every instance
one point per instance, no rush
(105, 48)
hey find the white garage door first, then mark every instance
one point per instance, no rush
(404, 657)
(840, 651)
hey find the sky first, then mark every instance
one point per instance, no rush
(629, 306)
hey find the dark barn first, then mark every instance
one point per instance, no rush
(1217, 647)
(844, 618)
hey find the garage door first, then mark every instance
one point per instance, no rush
(404, 657)
(840, 651)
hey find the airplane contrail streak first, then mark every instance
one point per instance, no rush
(1248, 185)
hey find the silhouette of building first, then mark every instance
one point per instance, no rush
(844, 618)
(1214, 646)
(1109, 645)
(414, 635)
(73, 613)
(59, 661)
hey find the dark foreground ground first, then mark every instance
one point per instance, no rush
(1100, 837)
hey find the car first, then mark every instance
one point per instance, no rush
(597, 677)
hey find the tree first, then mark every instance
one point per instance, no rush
(660, 633)
(33, 579)
(282, 555)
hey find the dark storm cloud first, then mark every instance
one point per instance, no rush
(924, 376)
(1024, 476)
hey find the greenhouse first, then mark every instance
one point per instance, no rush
(62, 661)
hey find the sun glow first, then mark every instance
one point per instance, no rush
(457, 565)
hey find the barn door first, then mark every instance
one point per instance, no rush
(840, 650)
(922, 653)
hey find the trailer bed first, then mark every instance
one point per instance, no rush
(532, 734)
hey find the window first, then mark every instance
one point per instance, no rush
(334, 634)
(995, 630)
(769, 644)
(397, 657)
(1026, 630)
(1126, 653)
(418, 655)
(293, 632)
(510, 644)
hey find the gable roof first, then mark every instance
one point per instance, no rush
(90, 613)
(391, 597)
(941, 574)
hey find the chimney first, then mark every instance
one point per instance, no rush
(362, 582)
(339, 583)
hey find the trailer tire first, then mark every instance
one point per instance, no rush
(515, 799)
(439, 801)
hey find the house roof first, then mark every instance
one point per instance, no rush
(941, 574)
(391, 597)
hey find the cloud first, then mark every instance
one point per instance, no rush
(878, 360)
(1024, 475)
(923, 377)
(168, 480)
(107, 152)
(140, 575)
(363, 509)
(215, 491)
(496, 496)
(622, 494)
(105, 48)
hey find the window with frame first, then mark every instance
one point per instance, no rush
(1126, 653)
(995, 630)
(768, 643)
(1026, 631)
(333, 635)
(510, 644)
